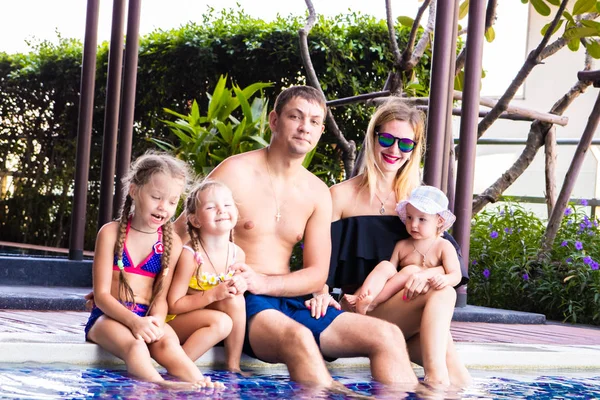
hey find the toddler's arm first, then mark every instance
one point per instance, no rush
(452, 274)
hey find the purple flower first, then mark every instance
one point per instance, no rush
(578, 245)
(569, 260)
(569, 222)
(568, 211)
(564, 243)
(594, 265)
(508, 230)
(583, 202)
(474, 262)
(502, 213)
(486, 273)
(525, 276)
(494, 234)
(302, 245)
(588, 260)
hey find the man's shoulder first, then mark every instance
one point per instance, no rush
(239, 163)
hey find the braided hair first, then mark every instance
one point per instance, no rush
(192, 204)
(139, 174)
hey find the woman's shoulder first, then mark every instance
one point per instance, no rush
(350, 185)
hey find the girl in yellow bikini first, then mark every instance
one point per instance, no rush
(206, 299)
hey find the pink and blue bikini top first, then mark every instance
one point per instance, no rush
(150, 266)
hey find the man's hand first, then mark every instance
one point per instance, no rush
(319, 303)
(255, 283)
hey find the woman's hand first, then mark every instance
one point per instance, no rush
(319, 303)
(416, 285)
(147, 329)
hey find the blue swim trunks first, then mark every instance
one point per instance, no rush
(139, 309)
(292, 307)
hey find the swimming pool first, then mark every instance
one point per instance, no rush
(31, 381)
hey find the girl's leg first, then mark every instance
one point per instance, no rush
(371, 287)
(117, 339)
(168, 352)
(200, 330)
(235, 307)
(394, 284)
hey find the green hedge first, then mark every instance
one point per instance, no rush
(39, 99)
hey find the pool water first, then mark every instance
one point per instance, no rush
(18, 381)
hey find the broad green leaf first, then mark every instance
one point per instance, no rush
(584, 6)
(237, 135)
(259, 140)
(195, 113)
(490, 34)
(215, 98)
(463, 9)
(459, 81)
(578, 33)
(569, 18)
(225, 130)
(573, 44)
(554, 2)
(541, 7)
(246, 109)
(591, 24)
(598, 6)
(545, 28)
(406, 21)
(308, 158)
(593, 49)
(184, 117)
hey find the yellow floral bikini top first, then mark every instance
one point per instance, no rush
(209, 280)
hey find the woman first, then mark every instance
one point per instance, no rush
(365, 229)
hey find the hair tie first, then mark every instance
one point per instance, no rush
(198, 257)
(120, 264)
(166, 272)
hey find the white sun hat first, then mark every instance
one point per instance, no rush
(430, 200)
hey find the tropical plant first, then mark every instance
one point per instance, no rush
(232, 125)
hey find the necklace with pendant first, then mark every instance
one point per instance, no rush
(382, 209)
(210, 261)
(423, 254)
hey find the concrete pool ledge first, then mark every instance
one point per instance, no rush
(71, 349)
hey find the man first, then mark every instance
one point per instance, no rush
(281, 203)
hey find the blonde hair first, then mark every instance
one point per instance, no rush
(192, 204)
(140, 173)
(408, 176)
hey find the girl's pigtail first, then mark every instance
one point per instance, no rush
(125, 291)
(167, 240)
(196, 247)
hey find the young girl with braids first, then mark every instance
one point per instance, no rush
(205, 296)
(132, 269)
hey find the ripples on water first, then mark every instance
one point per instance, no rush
(72, 382)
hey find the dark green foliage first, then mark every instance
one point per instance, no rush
(506, 271)
(39, 100)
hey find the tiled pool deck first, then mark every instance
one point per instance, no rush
(57, 336)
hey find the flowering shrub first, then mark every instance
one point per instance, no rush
(508, 271)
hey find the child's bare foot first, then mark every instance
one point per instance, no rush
(363, 302)
(208, 383)
(177, 385)
(348, 302)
